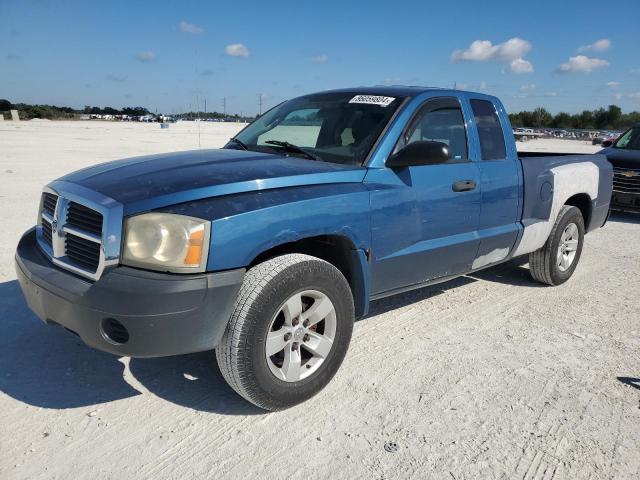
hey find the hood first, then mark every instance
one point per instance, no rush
(155, 181)
(621, 158)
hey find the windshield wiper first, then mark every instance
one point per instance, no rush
(239, 142)
(293, 148)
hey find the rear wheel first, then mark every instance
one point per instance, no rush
(556, 261)
(289, 331)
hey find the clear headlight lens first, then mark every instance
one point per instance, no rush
(166, 242)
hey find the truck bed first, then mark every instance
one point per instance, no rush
(549, 182)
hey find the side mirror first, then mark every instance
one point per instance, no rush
(607, 143)
(420, 153)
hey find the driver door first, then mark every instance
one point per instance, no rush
(425, 218)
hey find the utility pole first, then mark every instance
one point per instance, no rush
(260, 104)
(205, 107)
(224, 107)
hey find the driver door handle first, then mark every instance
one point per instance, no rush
(463, 186)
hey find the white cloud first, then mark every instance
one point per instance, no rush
(236, 50)
(520, 65)
(599, 46)
(635, 71)
(613, 84)
(484, 50)
(551, 94)
(478, 51)
(146, 56)
(391, 81)
(634, 95)
(512, 51)
(187, 27)
(527, 87)
(322, 58)
(618, 96)
(482, 86)
(582, 63)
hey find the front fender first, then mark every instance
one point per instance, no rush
(248, 224)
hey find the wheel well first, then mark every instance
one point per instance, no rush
(582, 201)
(334, 249)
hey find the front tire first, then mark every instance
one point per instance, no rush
(289, 331)
(556, 261)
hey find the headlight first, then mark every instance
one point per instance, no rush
(166, 242)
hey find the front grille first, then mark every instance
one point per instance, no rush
(83, 252)
(49, 201)
(70, 231)
(84, 218)
(626, 180)
(46, 232)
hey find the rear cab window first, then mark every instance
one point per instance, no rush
(490, 132)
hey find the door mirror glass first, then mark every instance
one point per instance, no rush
(420, 153)
(607, 143)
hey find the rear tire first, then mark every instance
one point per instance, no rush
(556, 261)
(276, 352)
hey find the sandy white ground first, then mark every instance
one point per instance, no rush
(488, 376)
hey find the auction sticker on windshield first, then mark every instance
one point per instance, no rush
(372, 100)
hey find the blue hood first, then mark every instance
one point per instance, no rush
(154, 181)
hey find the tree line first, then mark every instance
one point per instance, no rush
(610, 118)
(53, 112)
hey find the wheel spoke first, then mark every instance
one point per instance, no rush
(276, 341)
(318, 344)
(318, 311)
(571, 230)
(559, 258)
(292, 309)
(572, 245)
(291, 365)
(565, 262)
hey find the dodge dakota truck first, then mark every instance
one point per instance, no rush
(268, 249)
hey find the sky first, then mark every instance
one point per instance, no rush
(171, 56)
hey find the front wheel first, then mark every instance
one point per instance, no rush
(289, 331)
(556, 261)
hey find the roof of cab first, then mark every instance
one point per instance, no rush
(402, 91)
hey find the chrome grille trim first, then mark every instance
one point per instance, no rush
(626, 184)
(109, 240)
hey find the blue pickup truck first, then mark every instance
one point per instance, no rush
(267, 250)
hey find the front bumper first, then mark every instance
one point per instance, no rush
(163, 314)
(626, 202)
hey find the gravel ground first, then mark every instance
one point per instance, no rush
(487, 376)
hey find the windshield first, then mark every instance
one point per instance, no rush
(629, 140)
(334, 127)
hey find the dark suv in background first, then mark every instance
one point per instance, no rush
(624, 155)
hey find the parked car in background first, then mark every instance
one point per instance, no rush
(624, 155)
(600, 139)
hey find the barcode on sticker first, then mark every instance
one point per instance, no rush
(372, 100)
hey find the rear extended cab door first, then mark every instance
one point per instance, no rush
(494, 152)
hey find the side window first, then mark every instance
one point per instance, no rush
(440, 120)
(489, 130)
